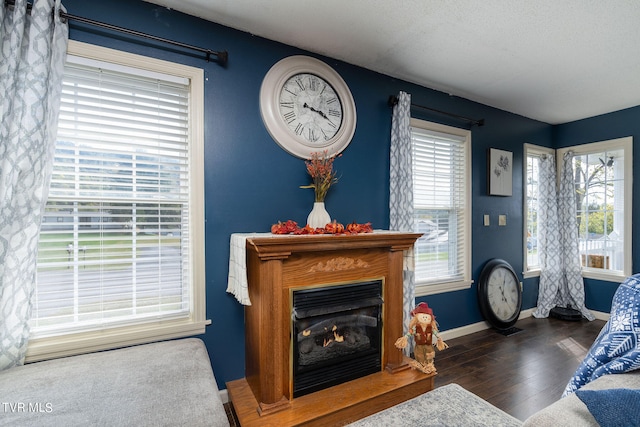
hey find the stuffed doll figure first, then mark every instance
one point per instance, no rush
(424, 330)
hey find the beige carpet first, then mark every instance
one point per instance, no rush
(450, 405)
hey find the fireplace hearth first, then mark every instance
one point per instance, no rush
(281, 333)
(336, 334)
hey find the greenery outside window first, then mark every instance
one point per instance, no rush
(602, 177)
(121, 249)
(532, 154)
(442, 206)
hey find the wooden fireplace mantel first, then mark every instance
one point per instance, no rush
(276, 265)
(283, 246)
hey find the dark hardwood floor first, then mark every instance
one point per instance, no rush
(520, 373)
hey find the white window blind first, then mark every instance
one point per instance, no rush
(114, 243)
(440, 171)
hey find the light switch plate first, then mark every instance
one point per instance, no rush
(502, 220)
(487, 222)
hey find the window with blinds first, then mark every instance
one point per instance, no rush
(441, 200)
(533, 154)
(116, 240)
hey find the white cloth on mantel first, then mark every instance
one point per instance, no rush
(237, 283)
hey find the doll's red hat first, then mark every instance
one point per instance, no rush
(422, 308)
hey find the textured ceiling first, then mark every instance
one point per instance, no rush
(550, 60)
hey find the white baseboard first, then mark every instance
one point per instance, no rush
(601, 315)
(476, 327)
(224, 396)
(480, 326)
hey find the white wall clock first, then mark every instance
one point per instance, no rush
(307, 107)
(499, 294)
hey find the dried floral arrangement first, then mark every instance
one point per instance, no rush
(320, 168)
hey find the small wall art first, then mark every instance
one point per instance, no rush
(500, 172)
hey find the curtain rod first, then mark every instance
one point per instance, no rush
(222, 56)
(393, 100)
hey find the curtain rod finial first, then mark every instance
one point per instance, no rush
(223, 57)
(392, 101)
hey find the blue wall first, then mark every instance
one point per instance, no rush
(252, 183)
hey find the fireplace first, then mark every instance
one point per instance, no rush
(336, 334)
(279, 268)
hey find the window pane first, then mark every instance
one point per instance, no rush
(532, 182)
(599, 188)
(440, 205)
(114, 244)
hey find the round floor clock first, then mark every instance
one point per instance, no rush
(307, 107)
(499, 294)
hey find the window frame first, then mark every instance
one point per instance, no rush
(533, 151)
(148, 331)
(423, 289)
(625, 144)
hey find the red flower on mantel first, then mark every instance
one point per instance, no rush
(291, 227)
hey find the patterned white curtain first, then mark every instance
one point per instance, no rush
(571, 294)
(401, 195)
(561, 281)
(34, 47)
(548, 238)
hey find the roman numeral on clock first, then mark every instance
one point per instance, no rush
(290, 116)
(313, 83)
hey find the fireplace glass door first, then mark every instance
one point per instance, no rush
(336, 334)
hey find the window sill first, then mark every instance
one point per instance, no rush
(531, 273)
(613, 276)
(440, 288)
(91, 341)
(587, 274)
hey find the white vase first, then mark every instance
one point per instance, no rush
(319, 217)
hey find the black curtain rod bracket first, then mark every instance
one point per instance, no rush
(222, 56)
(393, 100)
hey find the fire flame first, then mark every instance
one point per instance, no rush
(336, 337)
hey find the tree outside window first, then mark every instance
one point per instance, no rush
(600, 208)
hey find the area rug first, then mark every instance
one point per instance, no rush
(449, 405)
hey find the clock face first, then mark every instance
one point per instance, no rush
(503, 293)
(499, 294)
(307, 107)
(310, 108)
